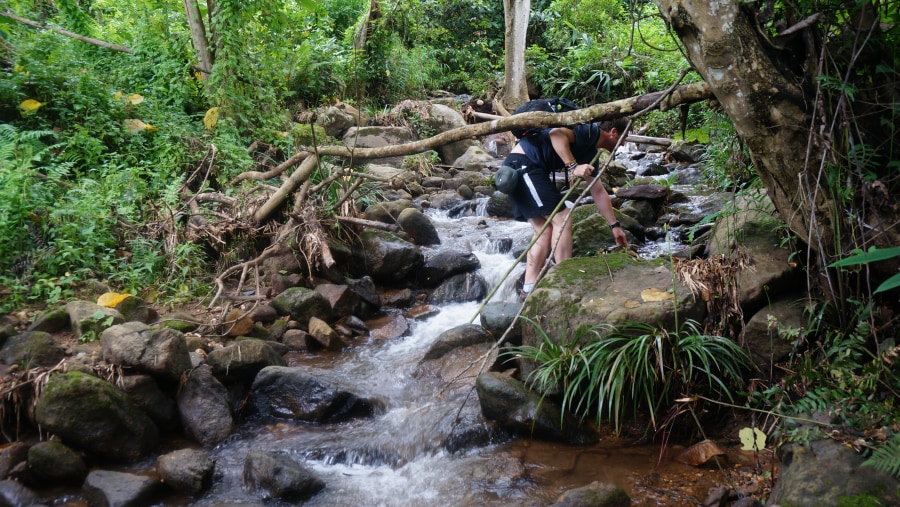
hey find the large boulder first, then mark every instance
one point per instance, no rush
(524, 412)
(443, 118)
(91, 414)
(56, 463)
(301, 304)
(32, 348)
(442, 263)
(279, 477)
(378, 137)
(620, 289)
(187, 471)
(90, 319)
(460, 288)
(770, 334)
(386, 257)
(159, 351)
(338, 118)
(146, 394)
(204, 406)
(293, 393)
(242, 360)
(418, 227)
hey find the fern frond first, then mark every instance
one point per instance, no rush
(886, 458)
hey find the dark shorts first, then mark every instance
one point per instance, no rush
(536, 194)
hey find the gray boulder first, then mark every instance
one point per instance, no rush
(146, 394)
(119, 489)
(187, 471)
(301, 304)
(51, 321)
(204, 407)
(516, 408)
(387, 212)
(32, 348)
(770, 333)
(90, 319)
(386, 257)
(91, 414)
(293, 393)
(460, 288)
(378, 137)
(159, 351)
(442, 263)
(459, 336)
(13, 493)
(418, 227)
(242, 360)
(57, 463)
(338, 118)
(496, 317)
(443, 118)
(474, 159)
(277, 476)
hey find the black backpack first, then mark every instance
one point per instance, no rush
(549, 105)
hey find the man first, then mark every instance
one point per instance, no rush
(535, 158)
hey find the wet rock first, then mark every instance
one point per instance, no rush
(277, 476)
(498, 206)
(119, 489)
(301, 304)
(159, 351)
(344, 300)
(595, 494)
(15, 494)
(323, 336)
(144, 391)
(187, 471)
(460, 288)
(293, 393)
(656, 193)
(204, 407)
(443, 263)
(57, 463)
(418, 226)
(500, 470)
(242, 360)
(265, 314)
(459, 336)
(388, 327)
(497, 317)
(11, 456)
(51, 321)
(827, 473)
(513, 406)
(32, 348)
(295, 339)
(89, 320)
(91, 414)
(386, 257)
(237, 323)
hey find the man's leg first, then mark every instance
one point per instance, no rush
(538, 253)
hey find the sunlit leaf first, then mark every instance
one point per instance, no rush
(700, 453)
(118, 95)
(134, 126)
(630, 303)
(111, 299)
(211, 117)
(654, 294)
(135, 98)
(752, 439)
(29, 105)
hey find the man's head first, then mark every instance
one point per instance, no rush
(610, 132)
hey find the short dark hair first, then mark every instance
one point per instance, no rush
(619, 124)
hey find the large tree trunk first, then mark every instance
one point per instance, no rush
(198, 36)
(515, 84)
(770, 95)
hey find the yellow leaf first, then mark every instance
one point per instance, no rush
(134, 126)
(211, 117)
(117, 95)
(653, 294)
(752, 439)
(630, 303)
(700, 453)
(18, 68)
(29, 105)
(112, 299)
(150, 128)
(135, 98)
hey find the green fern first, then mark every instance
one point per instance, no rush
(887, 457)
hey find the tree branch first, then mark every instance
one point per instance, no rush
(82, 38)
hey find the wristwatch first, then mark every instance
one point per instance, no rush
(615, 224)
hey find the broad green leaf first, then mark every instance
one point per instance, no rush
(873, 255)
(891, 283)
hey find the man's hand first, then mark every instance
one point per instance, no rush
(621, 238)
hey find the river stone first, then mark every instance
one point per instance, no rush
(592, 234)
(513, 406)
(180, 321)
(93, 415)
(13, 493)
(595, 494)
(242, 360)
(293, 393)
(204, 407)
(324, 336)
(343, 300)
(118, 489)
(187, 471)
(56, 462)
(135, 309)
(32, 348)
(51, 321)
(473, 159)
(278, 476)
(144, 391)
(301, 304)
(769, 335)
(497, 316)
(388, 327)
(498, 206)
(419, 227)
(460, 288)
(443, 263)
(90, 319)
(159, 351)
(10, 457)
(237, 323)
(457, 337)
(827, 473)
(385, 256)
